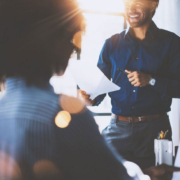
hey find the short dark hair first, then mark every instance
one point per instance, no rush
(35, 36)
(157, 5)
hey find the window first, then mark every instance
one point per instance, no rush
(104, 19)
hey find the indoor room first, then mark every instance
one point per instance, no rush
(90, 90)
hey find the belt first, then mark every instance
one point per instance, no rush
(134, 119)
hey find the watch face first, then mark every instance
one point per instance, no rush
(152, 82)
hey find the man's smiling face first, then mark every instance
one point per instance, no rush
(138, 12)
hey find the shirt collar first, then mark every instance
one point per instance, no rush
(14, 83)
(152, 30)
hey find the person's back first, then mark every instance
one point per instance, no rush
(33, 146)
(36, 41)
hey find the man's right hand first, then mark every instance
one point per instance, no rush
(85, 97)
(161, 172)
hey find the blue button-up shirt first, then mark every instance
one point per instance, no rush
(157, 54)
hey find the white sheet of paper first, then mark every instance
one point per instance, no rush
(90, 79)
(176, 175)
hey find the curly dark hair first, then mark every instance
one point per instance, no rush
(35, 36)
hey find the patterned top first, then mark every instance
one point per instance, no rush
(37, 140)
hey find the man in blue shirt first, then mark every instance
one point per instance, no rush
(145, 62)
(44, 135)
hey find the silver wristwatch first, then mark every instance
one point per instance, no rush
(152, 81)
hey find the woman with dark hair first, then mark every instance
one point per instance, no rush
(36, 37)
(43, 135)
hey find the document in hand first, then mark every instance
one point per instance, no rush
(176, 175)
(90, 79)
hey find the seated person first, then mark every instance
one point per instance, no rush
(43, 135)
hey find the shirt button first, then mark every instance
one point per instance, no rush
(133, 107)
(134, 91)
(137, 58)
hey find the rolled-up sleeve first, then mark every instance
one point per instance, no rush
(170, 86)
(104, 65)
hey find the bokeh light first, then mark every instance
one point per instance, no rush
(46, 169)
(9, 168)
(102, 5)
(71, 104)
(63, 119)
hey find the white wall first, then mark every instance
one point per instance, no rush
(168, 17)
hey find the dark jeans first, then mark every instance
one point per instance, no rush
(135, 141)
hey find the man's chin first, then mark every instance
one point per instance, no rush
(140, 23)
(134, 25)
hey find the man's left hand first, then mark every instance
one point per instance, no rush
(161, 172)
(138, 79)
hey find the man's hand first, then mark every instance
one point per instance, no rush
(138, 78)
(161, 172)
(85, 97)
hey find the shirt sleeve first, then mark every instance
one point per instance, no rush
(169, 86)
(86, 152)
(104, 64)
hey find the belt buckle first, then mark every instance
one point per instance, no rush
(140, 119)
(131, 119)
